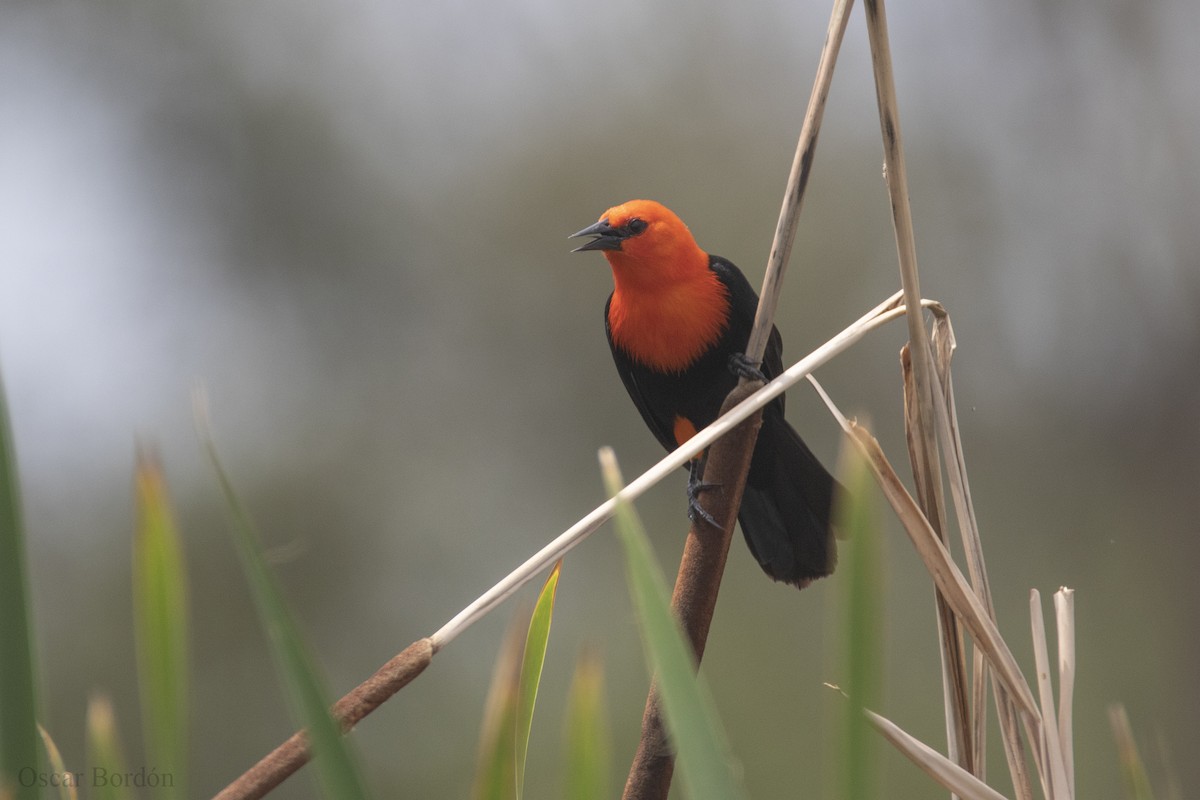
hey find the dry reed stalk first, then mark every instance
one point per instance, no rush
(793, 197)
(938, 562)
(930, 418)
(948, 433)
(937, 766)
(955, 687)
(1054, 777)
(919, 413)
(1064, 614)
(1048, 732)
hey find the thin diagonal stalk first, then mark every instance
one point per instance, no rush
(403, 668)
(793, 198)
(937, 766)
(398, 672)
(885, 312)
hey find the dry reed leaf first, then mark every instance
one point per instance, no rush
(1064, 613)
(1054, 782)
(943, 343)
(941, 567)
(944, 571)
(936, 765)
(959, 734)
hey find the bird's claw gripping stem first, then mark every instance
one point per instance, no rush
(743, 367)
(695, 486)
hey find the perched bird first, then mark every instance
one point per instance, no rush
(678, 321)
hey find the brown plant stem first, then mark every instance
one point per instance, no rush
(703, 561)
(290, 756)
(920, 421)
(695, 597)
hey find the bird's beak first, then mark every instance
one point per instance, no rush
(607, 237)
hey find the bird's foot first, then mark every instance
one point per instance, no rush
(743, 367)
(695, 486)
(696, 510)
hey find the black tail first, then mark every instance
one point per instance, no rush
(786, 507)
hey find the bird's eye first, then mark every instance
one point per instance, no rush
(636, 225)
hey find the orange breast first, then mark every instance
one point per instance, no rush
(668, 327)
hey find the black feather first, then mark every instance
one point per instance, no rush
(785, 513)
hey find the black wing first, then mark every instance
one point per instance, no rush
(743, 302)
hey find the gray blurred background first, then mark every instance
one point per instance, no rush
(347, 221)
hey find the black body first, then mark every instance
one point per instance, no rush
(785, 513)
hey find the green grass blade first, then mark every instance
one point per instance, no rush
(1133, 769)
(106, 775)
(531, 671)
(161, 627)
(67, 783)
(19, 749)
(495, 772)
(703, 757)
(587, 735)
(861, 585)
(338, 773)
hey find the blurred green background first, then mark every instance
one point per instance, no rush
(347, 222)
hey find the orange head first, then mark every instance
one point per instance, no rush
(646, 243)
(667, 307)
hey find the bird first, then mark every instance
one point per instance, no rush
(678, 321)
